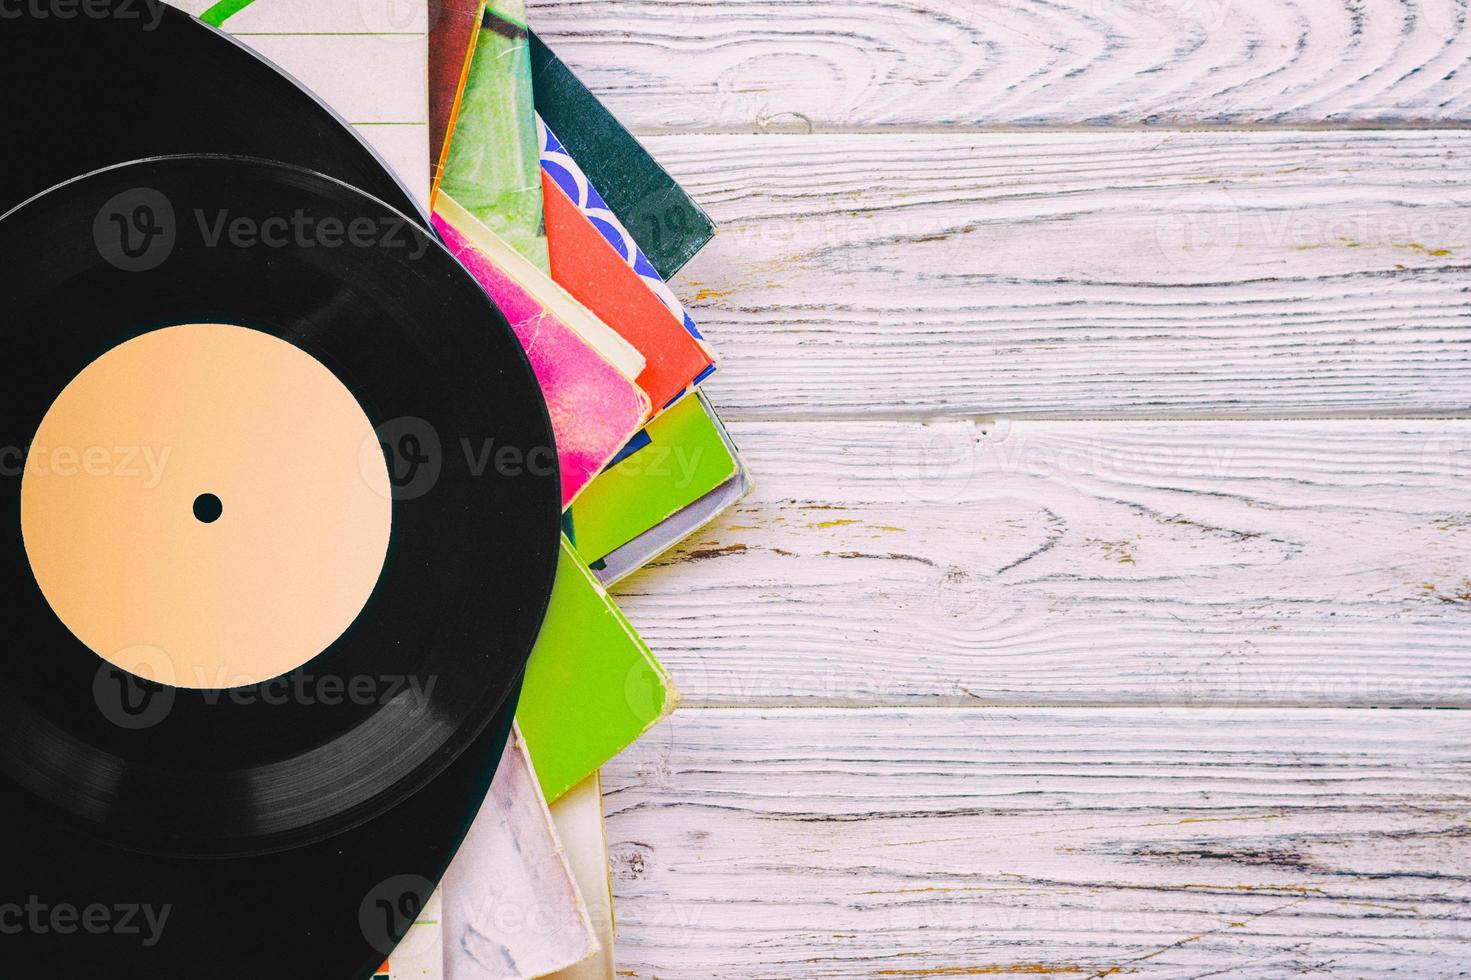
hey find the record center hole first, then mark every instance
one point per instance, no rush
(207, 508)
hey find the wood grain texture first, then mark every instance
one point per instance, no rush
(1180, 564)
(821, 64)
(856, 786)
(1084, 275)
(1081, 843)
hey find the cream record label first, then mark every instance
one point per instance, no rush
(195, 511)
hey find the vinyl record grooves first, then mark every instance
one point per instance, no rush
(233, 806)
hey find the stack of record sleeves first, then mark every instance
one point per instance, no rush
(574, 231)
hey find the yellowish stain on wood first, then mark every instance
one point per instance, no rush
(706, 292)
(1262, 816)
(1346, 242)
(1117, 550)
(853, 522)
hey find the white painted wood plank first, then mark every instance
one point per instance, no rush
(1084, 274)
(764, 64)
(1181, 564)
(1078, 843)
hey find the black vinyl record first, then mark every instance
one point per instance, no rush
(267, 821)
(102, 82)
